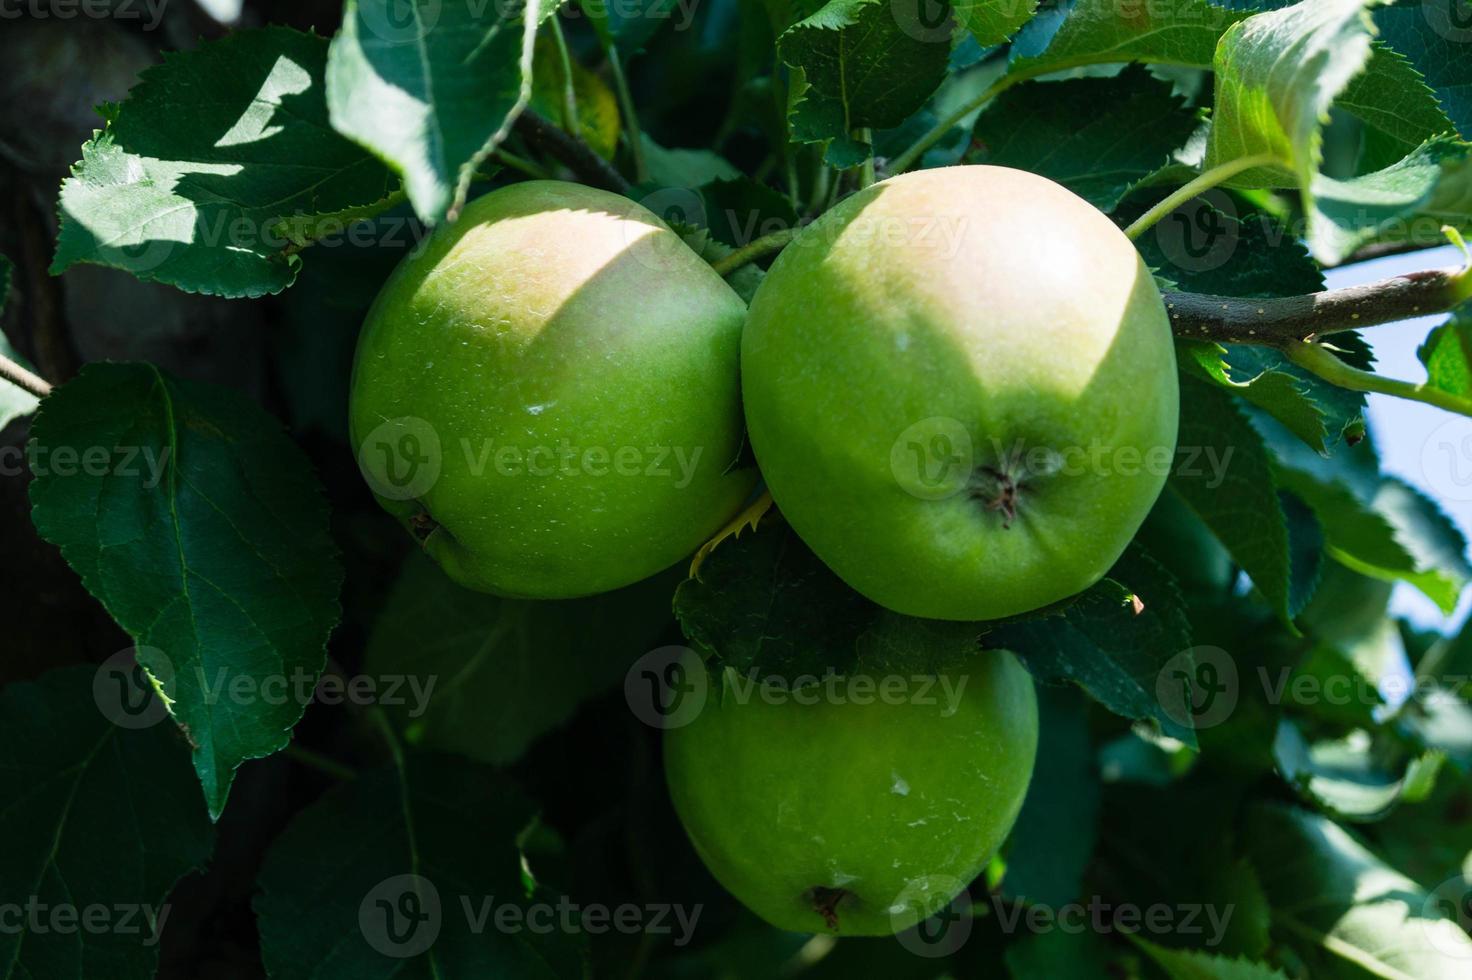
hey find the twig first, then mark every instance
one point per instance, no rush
(1284, 320)
(320, 762)
(752, 251)
(1317, 359)
(629, 112)
(21, 378)
(1204, 182)
(571, 152)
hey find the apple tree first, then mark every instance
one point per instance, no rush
(673, 488)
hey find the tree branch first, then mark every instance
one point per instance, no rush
(1282, 321)
(570, 151)
(23, 379)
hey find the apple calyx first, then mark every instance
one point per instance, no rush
(421, 525)
(825, 902)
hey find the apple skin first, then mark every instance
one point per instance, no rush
(552, 316)
(900, 805)
(932, 332)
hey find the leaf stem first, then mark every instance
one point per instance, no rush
(1318, 360)
(866, 175)
(303, 230)
(569, 94)
(910, 156)
(1203, 182)
(571, 152)
(630, 114)
(23, 379)
(522, 165)
(752, 251)
(320, 762)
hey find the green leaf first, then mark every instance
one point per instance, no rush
(93, 816)
(1097, 137)
(1197, 964)
(1054, 837)
(597, 107)
(403, 872)
(1075, 954)
(1319, 413)
(1277, 73)
(15, 402)
(1392, 99)
(631, 24)
(989, 21)
(211, 149)
(1387, 530)
(1225, 477)
(485, 676)
(1434, 35)
(1113, 648)
(1343, 777)
(685, 168)
(433, 95)
(1447, 353)
(1327, 888)
(740, 211)
(763, 603)
(861, 67)
(202, 530)
(1408, 201)
(1103, 31)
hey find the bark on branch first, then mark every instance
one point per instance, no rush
(1282, 321)
(570, 151)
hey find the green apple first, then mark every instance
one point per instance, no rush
(960, 386)
(547, 394)
(842, 809)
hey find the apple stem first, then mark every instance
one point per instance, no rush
(752, 251)
(1205, 181)
(1318, 360)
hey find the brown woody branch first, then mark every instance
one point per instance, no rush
(1281, 321)
(570, 151)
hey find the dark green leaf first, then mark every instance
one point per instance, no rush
(211, 149)
(404, 873)
(1114, 649)
(485, 676)
(1328, 888)
(95, 817)
(1097, 137)
(202, 530)
(861, 67)
(434, 93)
(1224, 475)
(1055, 833)
(1434, 35)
